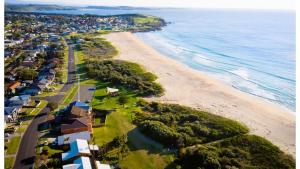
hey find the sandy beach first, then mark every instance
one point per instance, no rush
(186, 86)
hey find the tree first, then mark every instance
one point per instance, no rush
(123, 99)
(27, 74)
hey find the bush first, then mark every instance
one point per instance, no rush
(192, 126)
(98, 48)
(244, 151)
(52, 105)
(27, 74)
(129, 75)
(123, 99)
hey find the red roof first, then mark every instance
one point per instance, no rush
(14, 85)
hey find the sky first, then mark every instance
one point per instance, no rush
(248, 4)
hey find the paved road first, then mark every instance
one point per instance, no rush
(26, 153)
(86, 93)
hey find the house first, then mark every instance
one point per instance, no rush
(77, 125)
(68, 138)
(13, 86)
(33, 90)
(11, 113)
(112, 91)
(78, 109)
(28, 62)
(80, 163)
(22, 100)
(79, 147)
(44, 81)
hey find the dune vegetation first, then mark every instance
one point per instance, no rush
(204, 140)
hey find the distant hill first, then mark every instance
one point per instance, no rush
(118, 7)
(40, 7)
(34, 7)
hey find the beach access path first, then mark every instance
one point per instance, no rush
(184, 85)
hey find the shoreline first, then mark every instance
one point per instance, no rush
(196, 89)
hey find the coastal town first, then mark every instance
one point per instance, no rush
(71, 103)
(40, 74)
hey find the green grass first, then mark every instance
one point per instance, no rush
(65, 66)
(22, 128)
(9, 162)
(68, 97)
(145, 20)
(13, 145)
(36, 111)
(144, 153)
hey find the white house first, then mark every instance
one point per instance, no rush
(79, 147)
(80, 163)
(68, 138)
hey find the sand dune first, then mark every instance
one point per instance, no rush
(187, 86)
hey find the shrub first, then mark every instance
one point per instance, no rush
(127, 74)
(52, 106)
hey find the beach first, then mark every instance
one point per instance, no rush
(186, 86)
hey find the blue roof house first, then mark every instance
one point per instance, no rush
(22, 100)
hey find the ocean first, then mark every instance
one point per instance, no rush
(251, 50)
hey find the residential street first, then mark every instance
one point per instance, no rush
(86, 93)
(26, 154)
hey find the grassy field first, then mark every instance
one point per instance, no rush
(13, 145)
(9, 162)
(144, 152)
(145, 20)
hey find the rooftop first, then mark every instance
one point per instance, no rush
(68, 138)
(79, 146)
(80, 104)
(80, 163)
(76, 123)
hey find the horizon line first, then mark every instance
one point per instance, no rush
(150, 7)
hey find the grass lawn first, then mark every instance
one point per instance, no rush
(9, 162)
(22, 128)
(13, 145)
(68, 97)
(145, 20)
(144, 152)
(65, 66)
(42, 104)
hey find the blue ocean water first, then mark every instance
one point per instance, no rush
(253, 51)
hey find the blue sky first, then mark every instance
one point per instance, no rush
(249, 4)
